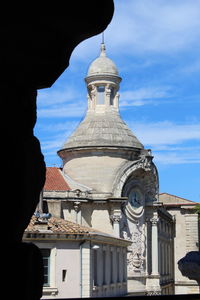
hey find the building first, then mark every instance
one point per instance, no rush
(108, 181)
(186, 237)
(78, 261)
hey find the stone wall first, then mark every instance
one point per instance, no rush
(186, 239)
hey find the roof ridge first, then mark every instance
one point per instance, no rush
(178, 197)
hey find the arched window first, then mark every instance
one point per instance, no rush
(100, 94)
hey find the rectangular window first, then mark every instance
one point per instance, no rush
(46, 265)
(104, 267)
(100, 94)
(124, 267)
(118, 267)
(111, 267)
(95, 267)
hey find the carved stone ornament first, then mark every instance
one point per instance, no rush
(150, 184)
(115, 218)
(136, 257)
(77, 206)
(155, 219)
(145, 163)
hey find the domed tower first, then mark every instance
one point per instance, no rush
(102, 142)
(114, 180)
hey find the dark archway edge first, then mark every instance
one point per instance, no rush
(36, 44)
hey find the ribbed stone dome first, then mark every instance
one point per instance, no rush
(102, 65)
(100, 130)
(102, 126)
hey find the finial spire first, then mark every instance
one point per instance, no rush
(103, 47)
(102, 37)
(103, 50)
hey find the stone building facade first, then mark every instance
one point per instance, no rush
(79, 261)
(109, 181)
(186, 237)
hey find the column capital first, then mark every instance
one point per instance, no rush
(115, 218)
(76, 205)
(155, 219)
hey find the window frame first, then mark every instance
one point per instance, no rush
(48, 266)
(100, 95)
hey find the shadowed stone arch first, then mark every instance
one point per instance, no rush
(130, 168)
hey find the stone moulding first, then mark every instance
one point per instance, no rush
(129, 168)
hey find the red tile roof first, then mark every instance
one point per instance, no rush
(58, 225)
(55, 180)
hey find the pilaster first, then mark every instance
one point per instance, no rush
(86, 271)
(153, 280)
(115, 218)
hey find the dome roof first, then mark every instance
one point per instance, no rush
(102, 126)
(102, 130)
(102, 65)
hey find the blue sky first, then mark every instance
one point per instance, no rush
(156, 47)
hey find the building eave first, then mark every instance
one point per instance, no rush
(98, 147)
(93, 237)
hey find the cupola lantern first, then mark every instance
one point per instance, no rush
(103, 84)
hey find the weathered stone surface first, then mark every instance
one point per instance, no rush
(103, 130)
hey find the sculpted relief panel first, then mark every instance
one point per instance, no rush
(141, 189)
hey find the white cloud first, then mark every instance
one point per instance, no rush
(142, 96)
(165, 133)
(77, 109)
(52, 96)
(159, 26)
(171, 143)
(169, 158)
(138, 27)
(57, 126)
(59, 102)
(191, 67)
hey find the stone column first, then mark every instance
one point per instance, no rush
(153, 281)
(116, 100)
(154, 238)
(107, 94)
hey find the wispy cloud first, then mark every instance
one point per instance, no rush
(52, 96)
(144, 95)
(148, 26)
(168, 158)
(159, 26)
(66, 110)
(56, 127)
(166, 132)
(61, 102)
(171, 143)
